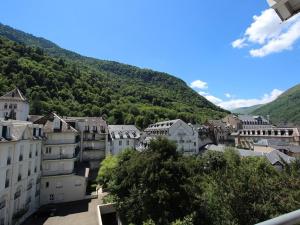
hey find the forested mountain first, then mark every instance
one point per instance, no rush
(54, 79)
(246, 110)
(285, 109)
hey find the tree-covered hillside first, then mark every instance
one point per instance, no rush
(285, 109)
(55, 79)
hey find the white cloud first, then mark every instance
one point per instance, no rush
(228, 95)
(239, 43)
(237, 103)
(199, 84)
(270, 34)
(210, 97)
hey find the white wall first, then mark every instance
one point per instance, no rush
(63, 188)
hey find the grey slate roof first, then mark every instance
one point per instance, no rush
(273, 157)
(278, 145)
(251, 118)
(161, 125)
(124, 132)
(99, 122)
(15, 94)
(47, 121)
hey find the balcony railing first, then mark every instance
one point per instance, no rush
(60, 156)
(292, 218)
(58, 172)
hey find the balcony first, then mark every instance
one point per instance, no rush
(58, 172)
(60, 156)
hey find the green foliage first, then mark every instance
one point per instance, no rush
(58, 80)
(161, 186)
(285, 109)
(107, 170)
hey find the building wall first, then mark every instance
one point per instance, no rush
(66, 188)
(28, 185)
(57, 167)
(118, 145)
(21, 109)
(264, 149)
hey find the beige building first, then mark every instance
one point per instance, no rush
(122, 137)
(63, 179)
(93, 143)
(20, 162)
(247, 137)
(14, 105)
(185, 135)
(267, 146)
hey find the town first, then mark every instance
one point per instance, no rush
(50, 159)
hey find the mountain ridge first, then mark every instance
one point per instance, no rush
(71, 84)
(285, 110)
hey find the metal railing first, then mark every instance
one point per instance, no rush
(292, 218)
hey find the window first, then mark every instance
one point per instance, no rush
(5, 106)
(127, 142)
(51, 197)
(77, 183)
(48, 150)
(15, 106)
(120, 143)
(47, 184)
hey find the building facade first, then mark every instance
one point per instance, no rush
(63, 179)
(183, 134)
(20, 163)
(122, 137)
(93, 144)
(14, 105)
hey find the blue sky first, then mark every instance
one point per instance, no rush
(191, 39)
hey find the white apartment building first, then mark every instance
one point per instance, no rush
(63, 180)
(122, 137)
(185, 135)
(14, 105)
(93, 139)
(20, 163)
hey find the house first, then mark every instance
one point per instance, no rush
(275, 157)
(266, 146)
(122, 137)
(93, 143)
(220, 131)
(183, 134)
(63, 178)
(14, 105)
(20, 160)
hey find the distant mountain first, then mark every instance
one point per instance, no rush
(285, 109)
(246, 110)
(55, 79)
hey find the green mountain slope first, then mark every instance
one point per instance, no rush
(246, 110)
(285, 109)
(57, 79)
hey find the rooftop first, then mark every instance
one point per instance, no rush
(15, 94)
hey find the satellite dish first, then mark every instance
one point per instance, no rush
(285, 9)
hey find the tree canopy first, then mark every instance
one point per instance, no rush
(161, 186)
